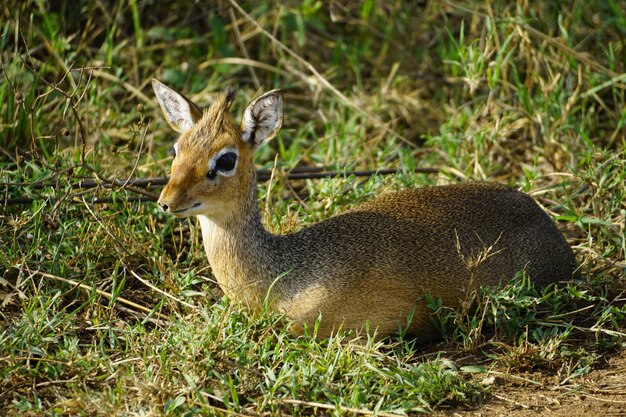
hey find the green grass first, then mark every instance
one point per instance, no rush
(528, 95)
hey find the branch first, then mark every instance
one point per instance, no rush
(304, 173)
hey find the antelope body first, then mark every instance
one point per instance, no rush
(371, 265)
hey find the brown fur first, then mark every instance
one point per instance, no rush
(372, 264)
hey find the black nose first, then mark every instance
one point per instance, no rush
(164, 206)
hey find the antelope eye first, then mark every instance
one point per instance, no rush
(226, 162)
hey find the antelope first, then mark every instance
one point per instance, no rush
(370, 266)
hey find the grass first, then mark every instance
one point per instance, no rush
(524, 94)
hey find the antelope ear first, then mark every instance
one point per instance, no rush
(180, 112)
(263, 118)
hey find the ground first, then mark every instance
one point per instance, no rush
(600, 393)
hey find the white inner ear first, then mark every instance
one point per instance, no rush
(175, 107)
(213, 162)
(263, 118)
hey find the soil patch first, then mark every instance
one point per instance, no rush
(600, 393)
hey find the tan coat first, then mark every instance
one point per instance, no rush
(371, 265)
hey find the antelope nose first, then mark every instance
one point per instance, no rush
(164, 206)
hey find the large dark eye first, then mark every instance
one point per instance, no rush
(226, 162)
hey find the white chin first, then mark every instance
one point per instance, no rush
(181, 215)
(191, 211)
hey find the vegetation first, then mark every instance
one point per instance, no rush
(107, 305)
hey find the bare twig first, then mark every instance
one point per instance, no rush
(132, 171)
(305, 173)
(501, 397)
(160, 291)
(69, 98)
(104, 294)
(149, 183)
(95, 200)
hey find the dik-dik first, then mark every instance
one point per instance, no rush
(371, 265)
